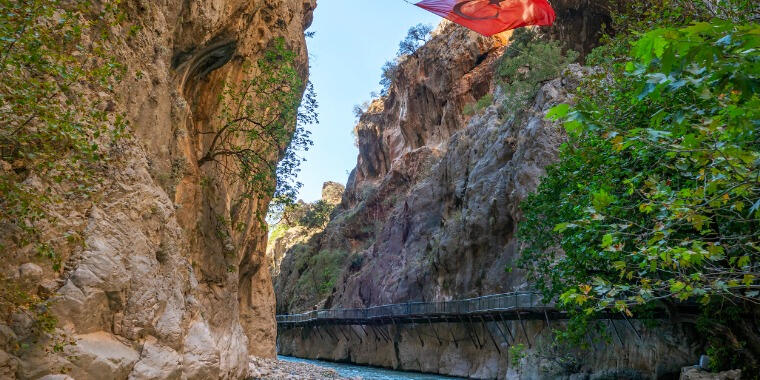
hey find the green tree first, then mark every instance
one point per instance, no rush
(262, 120)
(389, 70)
(656, 198)
(415, 37)
(316, 214)
(526, 64)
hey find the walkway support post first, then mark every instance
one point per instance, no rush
(485, 326)
(524, 331)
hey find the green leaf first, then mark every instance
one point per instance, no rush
(563, 226)
(607, 240)
(677, 287)
(558, 112)
(601, 199)
(743, 262)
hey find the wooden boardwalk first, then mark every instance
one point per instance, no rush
(497, 307)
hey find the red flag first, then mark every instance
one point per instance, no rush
(489, 17)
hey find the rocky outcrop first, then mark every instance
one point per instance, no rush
(399, 136)
(695, 373)
(166, 276)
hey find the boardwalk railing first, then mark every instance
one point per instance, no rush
(497, 303)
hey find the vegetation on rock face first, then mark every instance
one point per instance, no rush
(56, 124)
(481, 104)
(656, 198)
(51, 125)
(415, 37)
(262, 119)
(317, 214)
(527, 63)
(319, 272)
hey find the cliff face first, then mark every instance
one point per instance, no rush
(399, 138)
(451, 235)
(431, 208)
(160, 287)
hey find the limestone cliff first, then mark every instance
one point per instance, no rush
(450, 235)
(160, 287)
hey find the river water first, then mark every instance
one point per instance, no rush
(367, 373)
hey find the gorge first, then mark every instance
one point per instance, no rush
(574, 201)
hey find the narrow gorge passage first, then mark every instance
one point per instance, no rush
(379, 189)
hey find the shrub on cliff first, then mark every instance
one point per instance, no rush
(526, 64)
(656, 197)
(317, 214)
(415, 37)
(319, 272)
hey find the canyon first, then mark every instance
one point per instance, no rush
(168, 269)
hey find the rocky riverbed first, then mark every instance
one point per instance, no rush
(284, 370)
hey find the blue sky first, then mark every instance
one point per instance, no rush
(353, 39)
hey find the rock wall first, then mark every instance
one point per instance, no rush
(477, 350)
(399, 138)
(159, 288)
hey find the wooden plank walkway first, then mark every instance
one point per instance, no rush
(498, 307)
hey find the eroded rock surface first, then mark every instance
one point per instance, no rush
(155, 284)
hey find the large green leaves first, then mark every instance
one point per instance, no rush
(656, 195)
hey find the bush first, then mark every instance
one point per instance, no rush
(528, 62)
(321, 273)
(655, 197)
(480, 105)
(317, 214)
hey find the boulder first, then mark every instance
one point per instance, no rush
(157, 362)
(30, 272)
(101, 356)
